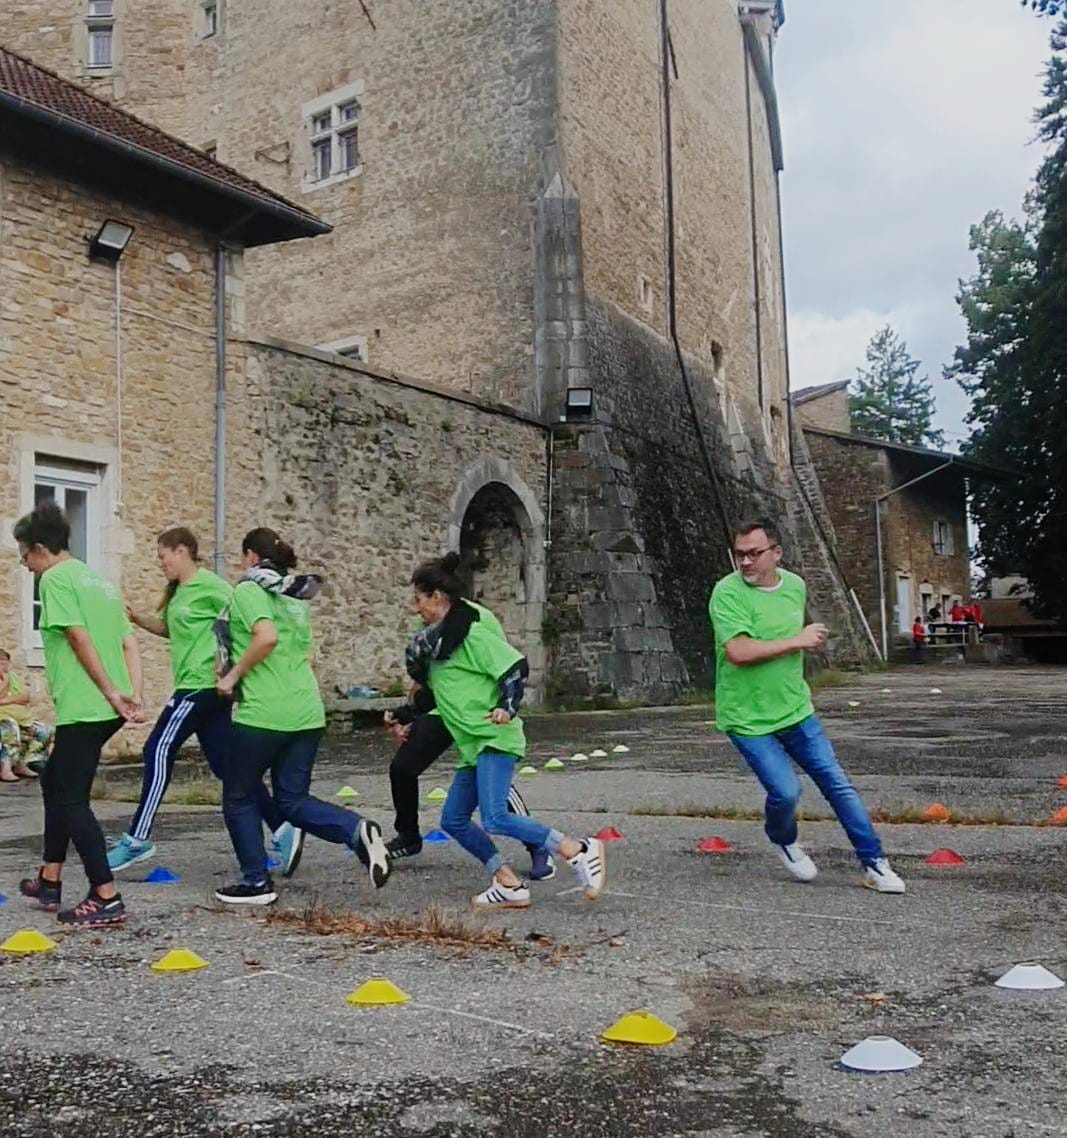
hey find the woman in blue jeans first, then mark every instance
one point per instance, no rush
(279, 721)
(478, 679)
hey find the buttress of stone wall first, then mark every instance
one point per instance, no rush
(829, 597)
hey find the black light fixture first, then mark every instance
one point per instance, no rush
(578, 404)
(110, 241)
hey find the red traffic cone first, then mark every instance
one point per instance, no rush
(945, 857)
(714, 845)
(608, 834)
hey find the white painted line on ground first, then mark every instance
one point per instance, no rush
(483, 1019)
(764, 912)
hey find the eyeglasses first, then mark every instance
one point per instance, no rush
(751, 554)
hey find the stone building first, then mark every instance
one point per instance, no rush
(563, 218)
(108, 364)
(900, 508)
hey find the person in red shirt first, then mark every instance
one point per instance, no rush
(918, 641)
(958, 614)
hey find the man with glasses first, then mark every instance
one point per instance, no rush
(764, 704)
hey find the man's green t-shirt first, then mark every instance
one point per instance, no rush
(466, 687)
(190, 617)
(280, 693)
(759, 699)
(73, 596)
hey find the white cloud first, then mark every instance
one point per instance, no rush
(904, 121)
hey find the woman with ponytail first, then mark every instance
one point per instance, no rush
(478, 679)
(192, 602)
(265, 665)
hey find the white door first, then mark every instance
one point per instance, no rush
(904, 613)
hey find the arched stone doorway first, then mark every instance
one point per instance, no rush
(498, 527)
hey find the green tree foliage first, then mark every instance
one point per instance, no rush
(888, 399)
(1014, 366)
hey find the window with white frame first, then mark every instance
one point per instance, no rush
(332, 124)
(75, 488)
(209, 18)
(352, 348)
(100, 31)
(943, 543)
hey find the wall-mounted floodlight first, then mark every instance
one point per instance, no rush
(110, 241)
(578, 404)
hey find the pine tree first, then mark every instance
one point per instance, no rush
(889, 400)
(1014, 366)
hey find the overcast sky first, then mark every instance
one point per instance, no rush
(904, 122)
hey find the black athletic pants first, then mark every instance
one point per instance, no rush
(66, 783)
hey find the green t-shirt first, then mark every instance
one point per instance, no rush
(466, 687)
(759, 699)
(73, 596)
(490, 621)
(190, 617)
(281, 693)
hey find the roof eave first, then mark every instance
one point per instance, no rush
(296, 223)
(965, 465)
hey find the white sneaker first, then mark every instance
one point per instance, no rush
(797, 862)
(499, 896)
(881, 878)
(591, 868)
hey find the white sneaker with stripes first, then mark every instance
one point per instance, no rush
(591, 868)
(499, 896)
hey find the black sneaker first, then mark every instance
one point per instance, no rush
(95, 911)
(401, 846)
(244, 894)
(45, 893)
(372, 852)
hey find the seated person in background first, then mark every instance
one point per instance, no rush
(934, 614)
(21, 737)
(958, 614)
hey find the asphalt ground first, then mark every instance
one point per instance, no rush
(767, 981)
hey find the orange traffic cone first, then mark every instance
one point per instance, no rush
(935, 812)
(1060, 817)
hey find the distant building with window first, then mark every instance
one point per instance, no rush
(902, 508)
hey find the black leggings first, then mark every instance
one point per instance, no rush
(66, 783)
(427, 741)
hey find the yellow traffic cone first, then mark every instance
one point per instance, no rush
(640, 1027)
(377, 992)
(26, 942)
(179, 960)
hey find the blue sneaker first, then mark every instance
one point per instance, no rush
(129, 851)
(289, 845)
(542, 867)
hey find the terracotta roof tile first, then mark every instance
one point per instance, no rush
(30, 83)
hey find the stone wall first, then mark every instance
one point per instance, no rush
(59, 394)
(829, 412)
(910, 541)
(367, 475)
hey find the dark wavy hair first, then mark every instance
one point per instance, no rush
(171, 539)
(45, 525)
(439, 574)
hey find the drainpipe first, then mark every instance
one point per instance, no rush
(220, 409)
(120, 503)
(878, 544)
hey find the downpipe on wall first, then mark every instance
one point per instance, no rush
(220, 409)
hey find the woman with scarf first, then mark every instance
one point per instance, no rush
(265, 665)
(192, 601)
(423, 738)
(478, 679)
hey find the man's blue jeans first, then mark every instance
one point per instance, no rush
(807, 745)
(289, 756)
(485, 787)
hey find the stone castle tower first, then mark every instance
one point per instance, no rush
(566, 210)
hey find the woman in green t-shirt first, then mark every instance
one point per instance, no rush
(478, 679)
(194, 598)
(93, 668)
(278, 723)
